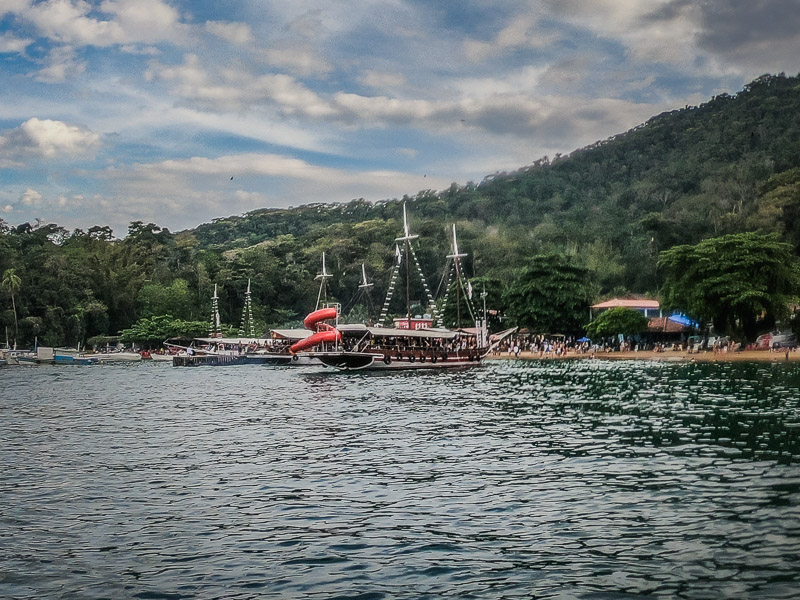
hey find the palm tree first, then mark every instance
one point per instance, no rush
(12, 283)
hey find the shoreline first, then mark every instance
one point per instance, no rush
(666, 356)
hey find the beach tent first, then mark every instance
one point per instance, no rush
(683, 320)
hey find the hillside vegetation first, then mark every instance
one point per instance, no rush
(727, 166)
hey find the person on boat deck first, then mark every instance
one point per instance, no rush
(189, 350)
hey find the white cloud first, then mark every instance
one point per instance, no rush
(523, 31)
(140, 50)
(522, 81)
(507, 107)
(8, 208)
(13, 6)
(239, 34)
(52, 138)
(129, 21)
(658, 31)
(309, 25)
(184, 193)
(61, 64)
(271, 165)
(233, 89)
(299, 58)
(47, 139)
(381, 80)
(10, 44)
(30, 197)
(755, 37)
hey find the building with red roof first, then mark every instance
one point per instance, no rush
(650, 308)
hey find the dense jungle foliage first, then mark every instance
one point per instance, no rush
(729, 166)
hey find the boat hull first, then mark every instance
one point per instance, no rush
(374, 361)
(224, 360)
(282, 359)
(208, 360)
(115, 357)
(74, 360)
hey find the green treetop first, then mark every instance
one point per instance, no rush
(552, 294)
(732, 281)
(617, 320)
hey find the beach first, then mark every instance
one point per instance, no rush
(666, 355)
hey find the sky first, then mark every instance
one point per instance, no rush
(178, 112)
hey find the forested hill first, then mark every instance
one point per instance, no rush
(728, 165)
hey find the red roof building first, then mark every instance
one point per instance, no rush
(650, 308)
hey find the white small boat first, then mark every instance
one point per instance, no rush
(162, 358)
(113, 357)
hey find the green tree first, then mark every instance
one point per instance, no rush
(156, 299)
(617, 320)
(151, 331)
(12, 283)
(552, 294)
(732, 280)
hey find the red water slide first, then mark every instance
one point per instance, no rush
(324, 332)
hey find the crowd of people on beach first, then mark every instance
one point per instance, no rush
(542, 345)
(556, 346)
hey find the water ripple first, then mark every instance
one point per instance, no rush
(553, 479)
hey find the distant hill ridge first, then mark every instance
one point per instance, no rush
(731, 164)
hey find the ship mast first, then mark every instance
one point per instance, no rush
(216, 329)
(247, 328)
(456, 256)
(364, 285)
(408, 250)
(406, 239)
(323, 277)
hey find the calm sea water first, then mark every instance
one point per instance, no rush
(518, 479)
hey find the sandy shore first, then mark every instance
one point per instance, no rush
(667, 356)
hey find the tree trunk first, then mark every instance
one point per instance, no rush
(16, 327)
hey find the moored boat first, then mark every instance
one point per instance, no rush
(413, 343)
(69, 356)
(237, 351)
(115, 357)
(391, 348)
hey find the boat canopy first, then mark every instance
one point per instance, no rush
(242, 340)
(431, 333)
(290, 334)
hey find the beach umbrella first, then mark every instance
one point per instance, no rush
(682, 320)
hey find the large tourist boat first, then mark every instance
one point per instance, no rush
(382, 348)
(418, 342)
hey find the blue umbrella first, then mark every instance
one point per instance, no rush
(683, 320)
(584, 339)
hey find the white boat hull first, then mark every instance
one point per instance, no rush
(162, 358)
(112, 357)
